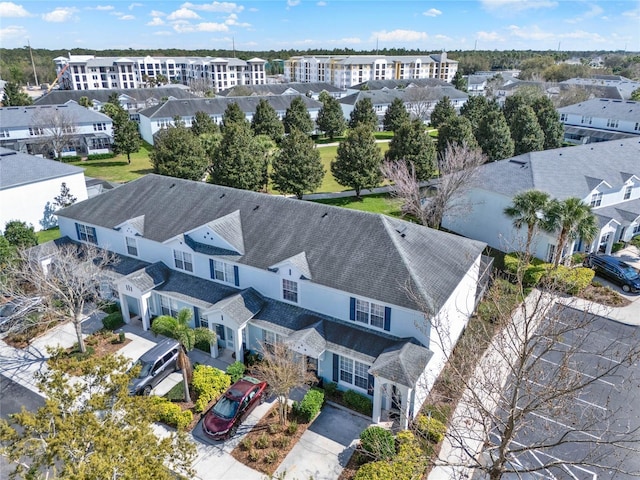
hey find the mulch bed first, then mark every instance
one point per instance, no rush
(604, 296)
(268, 443)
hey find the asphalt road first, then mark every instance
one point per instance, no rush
(612, 402)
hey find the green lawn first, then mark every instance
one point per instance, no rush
(378, 203)
(45, 236)
(378, 135)
(327, 155)
(117, 169)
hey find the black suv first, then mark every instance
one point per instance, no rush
(616, 270)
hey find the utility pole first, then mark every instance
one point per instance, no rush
(35, 75)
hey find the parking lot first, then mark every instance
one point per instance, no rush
(592, 417)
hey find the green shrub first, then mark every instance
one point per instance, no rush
(430, 428)
(100, 156)
(263, 441)
(271, 457)
(171, 413)
(379, 442)
(208, 383)
(282, 442)
(375, 471)
(635, 241)
(331, 389)
(512, 262)
(616, 247)
(113, 321)
(292, 428)
(501, 300)
(110, 307)
(310, 405)
(533, 274)
(358, 402)
(236, 371)
(571, 280)
(71, 158)
(253, 455)
(246, 444)
(203, 345)
(578, 258)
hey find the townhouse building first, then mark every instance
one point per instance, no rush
(604, 175)
(330, 283)
(600, 120)
(53, 130)
(344, 71)
(311, 90)
(88, 72)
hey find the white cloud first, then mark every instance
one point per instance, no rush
(293, 3)
(489, 36)
(400, 35)
(183, 14)
(346, 41)
(200, 27)
(134, 5)
(60, 14)
(432, 12)
(13, 31)
(253, 9)
(632, 13)
(163, 33)
(224, 7)
(321, 4)
(10, 9)
(443, 38)
(127, 17)
(156, 22)
(530, 33)
(157, 13)
(233, 20)
(593, 11)
(104, 8)
(509, 6)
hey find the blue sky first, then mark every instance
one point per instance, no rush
(302, 24)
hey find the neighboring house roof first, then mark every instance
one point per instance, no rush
(217, 106)
(627, 110)
(17, 169)
(403, 362)
(34, 115)
(564, 172)
(399, 84)
(624, 213)
(344, 249)
(600, 134)
(384, 97)
(140, 95)
(281, 89)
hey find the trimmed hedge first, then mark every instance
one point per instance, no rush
(430, 428)
(310, 405)
(112, 321)
(208, 383)
(571, 280)
(375, 471)
(358, 402)
(236, 371)
(170, 413)
(379, 442)
(100, 156)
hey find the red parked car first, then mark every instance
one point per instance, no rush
(223, 419)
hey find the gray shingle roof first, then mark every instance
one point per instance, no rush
(400, 84)
(564, 172)
(384, 97)
(149, 277)
(627, 110)
(625, 212)
(217, 106)
(345, 249)
(16, 117)
(17, 169)
(242, 306)
(58, 97)
(403, 362)
(281, 88)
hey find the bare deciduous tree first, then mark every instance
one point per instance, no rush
(458, 168)
(65, 278)
(547, 397)
(57, 129)
(284, 370)
(203, 87)
(420, 102)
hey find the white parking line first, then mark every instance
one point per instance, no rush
(576, 398)
(595, 437)
(586, 352)
(576, 371)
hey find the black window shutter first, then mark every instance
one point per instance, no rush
(387, 318)
(352, 309)
(336, 364)
(196, 316)
(212, 270)
(370, 385)
(78, 231)
(236, 276)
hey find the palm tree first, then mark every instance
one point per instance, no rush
(178, 328)
(573, 219)
(528, 208)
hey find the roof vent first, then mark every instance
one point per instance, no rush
(172, 185)
(324, 214)
(256, 208)
(222, 196)
(519, 162)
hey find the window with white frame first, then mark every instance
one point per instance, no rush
(637, 126)
(223, 272)
(370, 313)
(270, 338)
(169, 306)
(132, 246)
(36, 131)
(627, 192)
(596, 199)
(290, 290)
(183, 260)
(86, 233)
(353, 372)
(563, 117)
(612, 123)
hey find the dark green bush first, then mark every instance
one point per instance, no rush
(378, 442)
(310, 405)
(100, 156)
(616, 247)
(171, 413)
(635, 241)
(358, 402)
(236, 371)
(71, 158)
(203, 345)
(331, 389)
(571, 280)
(430, 428)
(112, 321)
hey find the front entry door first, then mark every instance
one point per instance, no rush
(230, 339)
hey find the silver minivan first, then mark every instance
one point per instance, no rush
(155, 365)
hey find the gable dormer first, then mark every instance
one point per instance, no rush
(134, 227)
(222, 236)
(295, 267)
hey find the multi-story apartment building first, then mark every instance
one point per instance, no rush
(87, 72)
(345, 71)
(600, 120)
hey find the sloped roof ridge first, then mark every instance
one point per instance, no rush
(229, 228)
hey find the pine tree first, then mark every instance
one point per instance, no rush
(549, 121)
(14, 96)
(203, 123)
(179, 153)
(265, 121)
(237, 162)
(442, 112)
(395, 116)
(330, 117)
(297, 168)
(475, 109)
(357, 164)
(297, 117)
(525, 131)
(411, 143)
(459, 81)
(457, 131)
(65, 198)
(494, 137)
(363, 114)
(233, 114)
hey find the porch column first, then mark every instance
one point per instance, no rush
(237, 340)
(124, 307)
(378, 391)
(144, 311)
(404, 408)
(609, 246)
